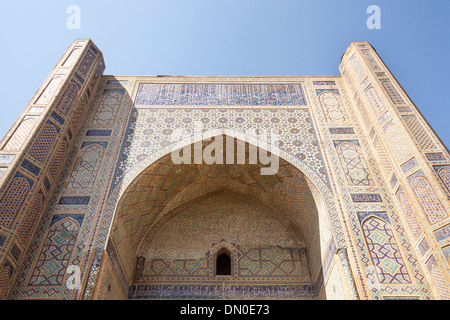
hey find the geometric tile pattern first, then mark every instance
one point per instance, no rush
(220, 94)
(324, 83)
(30, 218)
(355, 167)
(57, 117)
(439, 156)
(366, 197)
(159, 185)
(68, 98)
(98, 133)
(351, 86)
(77, 113)
(58, 157)
(43, 143)
(255, 226)
(86, 167)
(370, 60)
(320, 91)
(357, 68)
(53, 260)
(4, 280)
(252, 262)
(375, 102)
(404, 109)
(439, 280)
(78, 77)
(383, 157)
(409, 165)
(419, 133)
(47, 184)
(342, 131)
(96, 74)
(12, 201)
(266, 247)
(444, 174)
(93, 275)
(409, 214)
(86, 62)
(362, 215)
(107, 110)
(424, 247)
(52, 126)
(151, 129)
(392, 93)
(446, 251)
(364, 115)
(15, 252)
(140, 140)
(397, 141)
(30, 167)
(141, 127)
(394, 181)
(442, 233)
(332, 107)
(271, 261)
(385, 252)
(428, 199)
(74, 200)
(179, 267)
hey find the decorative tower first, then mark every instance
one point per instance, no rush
(414, 161)
(33, 150)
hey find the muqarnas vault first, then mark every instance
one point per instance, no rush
(92, 206)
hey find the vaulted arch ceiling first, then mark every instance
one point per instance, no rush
(264, 246)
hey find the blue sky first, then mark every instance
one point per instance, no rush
(229, 38)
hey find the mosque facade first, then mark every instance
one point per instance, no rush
(174, 187)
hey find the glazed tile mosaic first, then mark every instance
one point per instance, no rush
(149, 130)
(356, 207)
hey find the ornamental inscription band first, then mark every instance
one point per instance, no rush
(220, 94)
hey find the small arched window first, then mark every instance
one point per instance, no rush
(223, 263)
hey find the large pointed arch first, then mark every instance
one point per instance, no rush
(321, 189)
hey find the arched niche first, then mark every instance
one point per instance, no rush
(162, 186)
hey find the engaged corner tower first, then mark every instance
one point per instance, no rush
(92, 205)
